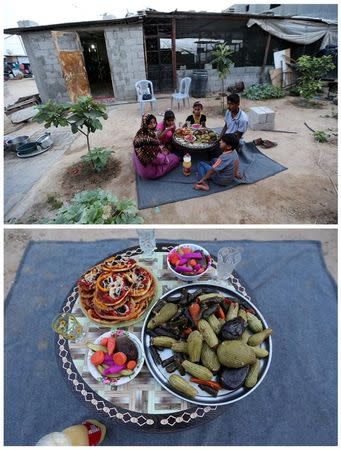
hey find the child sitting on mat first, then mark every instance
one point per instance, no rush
(197, 117)
(223, 169)
(166, 128)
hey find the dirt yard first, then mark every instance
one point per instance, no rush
(305, 193)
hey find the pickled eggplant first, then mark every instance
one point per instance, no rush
(233, 378)
(233, 329)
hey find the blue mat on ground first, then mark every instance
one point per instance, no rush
(295, 405)
(174, 187)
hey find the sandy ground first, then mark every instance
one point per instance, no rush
(16, 240)
(305, 193)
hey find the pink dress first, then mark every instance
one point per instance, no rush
(166, 138)
(160, 165)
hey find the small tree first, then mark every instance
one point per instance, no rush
(311, 69)
(82, 116)
(221, 57)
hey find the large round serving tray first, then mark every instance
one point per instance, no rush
(194, 146)
(143, 404)
(225, 396)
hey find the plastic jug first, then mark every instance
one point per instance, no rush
(89, 433)
(187, 164)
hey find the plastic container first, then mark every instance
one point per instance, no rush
(89, 433)
(187, 165)
(199, 83)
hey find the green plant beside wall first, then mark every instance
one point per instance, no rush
(311, 69)
(82, 116)
(221, 57)
(263, 92)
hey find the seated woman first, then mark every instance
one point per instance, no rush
(151, 160)
(166, 128)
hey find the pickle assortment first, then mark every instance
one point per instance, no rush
(215, 341)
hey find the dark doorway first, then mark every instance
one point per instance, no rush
(96, 63)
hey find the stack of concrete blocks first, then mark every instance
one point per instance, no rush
(126, 58)
(249, 75)
(261, 118)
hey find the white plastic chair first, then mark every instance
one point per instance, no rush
(185, 84)
(145, 87)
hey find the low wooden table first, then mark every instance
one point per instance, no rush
(142, 403)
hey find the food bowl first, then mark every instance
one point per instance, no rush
(184, 274)
(118, 380)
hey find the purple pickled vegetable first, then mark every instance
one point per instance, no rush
(108, 360)
(182, 261)
(197, 267)
(196, 255)
(183, 269)
(114, 369)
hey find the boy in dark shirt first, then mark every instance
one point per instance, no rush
(224, 169)
(197, 117)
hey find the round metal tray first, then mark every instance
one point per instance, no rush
(193, 147)
(225, 396)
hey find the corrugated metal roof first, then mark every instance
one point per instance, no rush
(88, 24)
(150, 15)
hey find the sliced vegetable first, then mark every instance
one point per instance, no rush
(97, 358)
(96, 347)
(111, 345)
(115, 368)
(104, 341)
(131, 365)
(194, 310)
(127, 346)
(213, 384)
(120, 358)
(220, 313)
(209, 390)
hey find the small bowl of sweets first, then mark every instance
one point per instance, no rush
(188, 262)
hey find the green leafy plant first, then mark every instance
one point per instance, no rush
(97, 158)
(98, 207)
(82, 116)
(263, 92)
(221, 57)
(311, 69)
(321, 136)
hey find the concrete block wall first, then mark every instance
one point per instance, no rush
(45, 65)
(249, 75)
(126, 58)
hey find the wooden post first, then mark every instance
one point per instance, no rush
(174, 52)
(266, 52)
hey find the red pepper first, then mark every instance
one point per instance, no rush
(213, 384)
(194, 310)
(187, 331)
(220, 313)
(228, 301)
